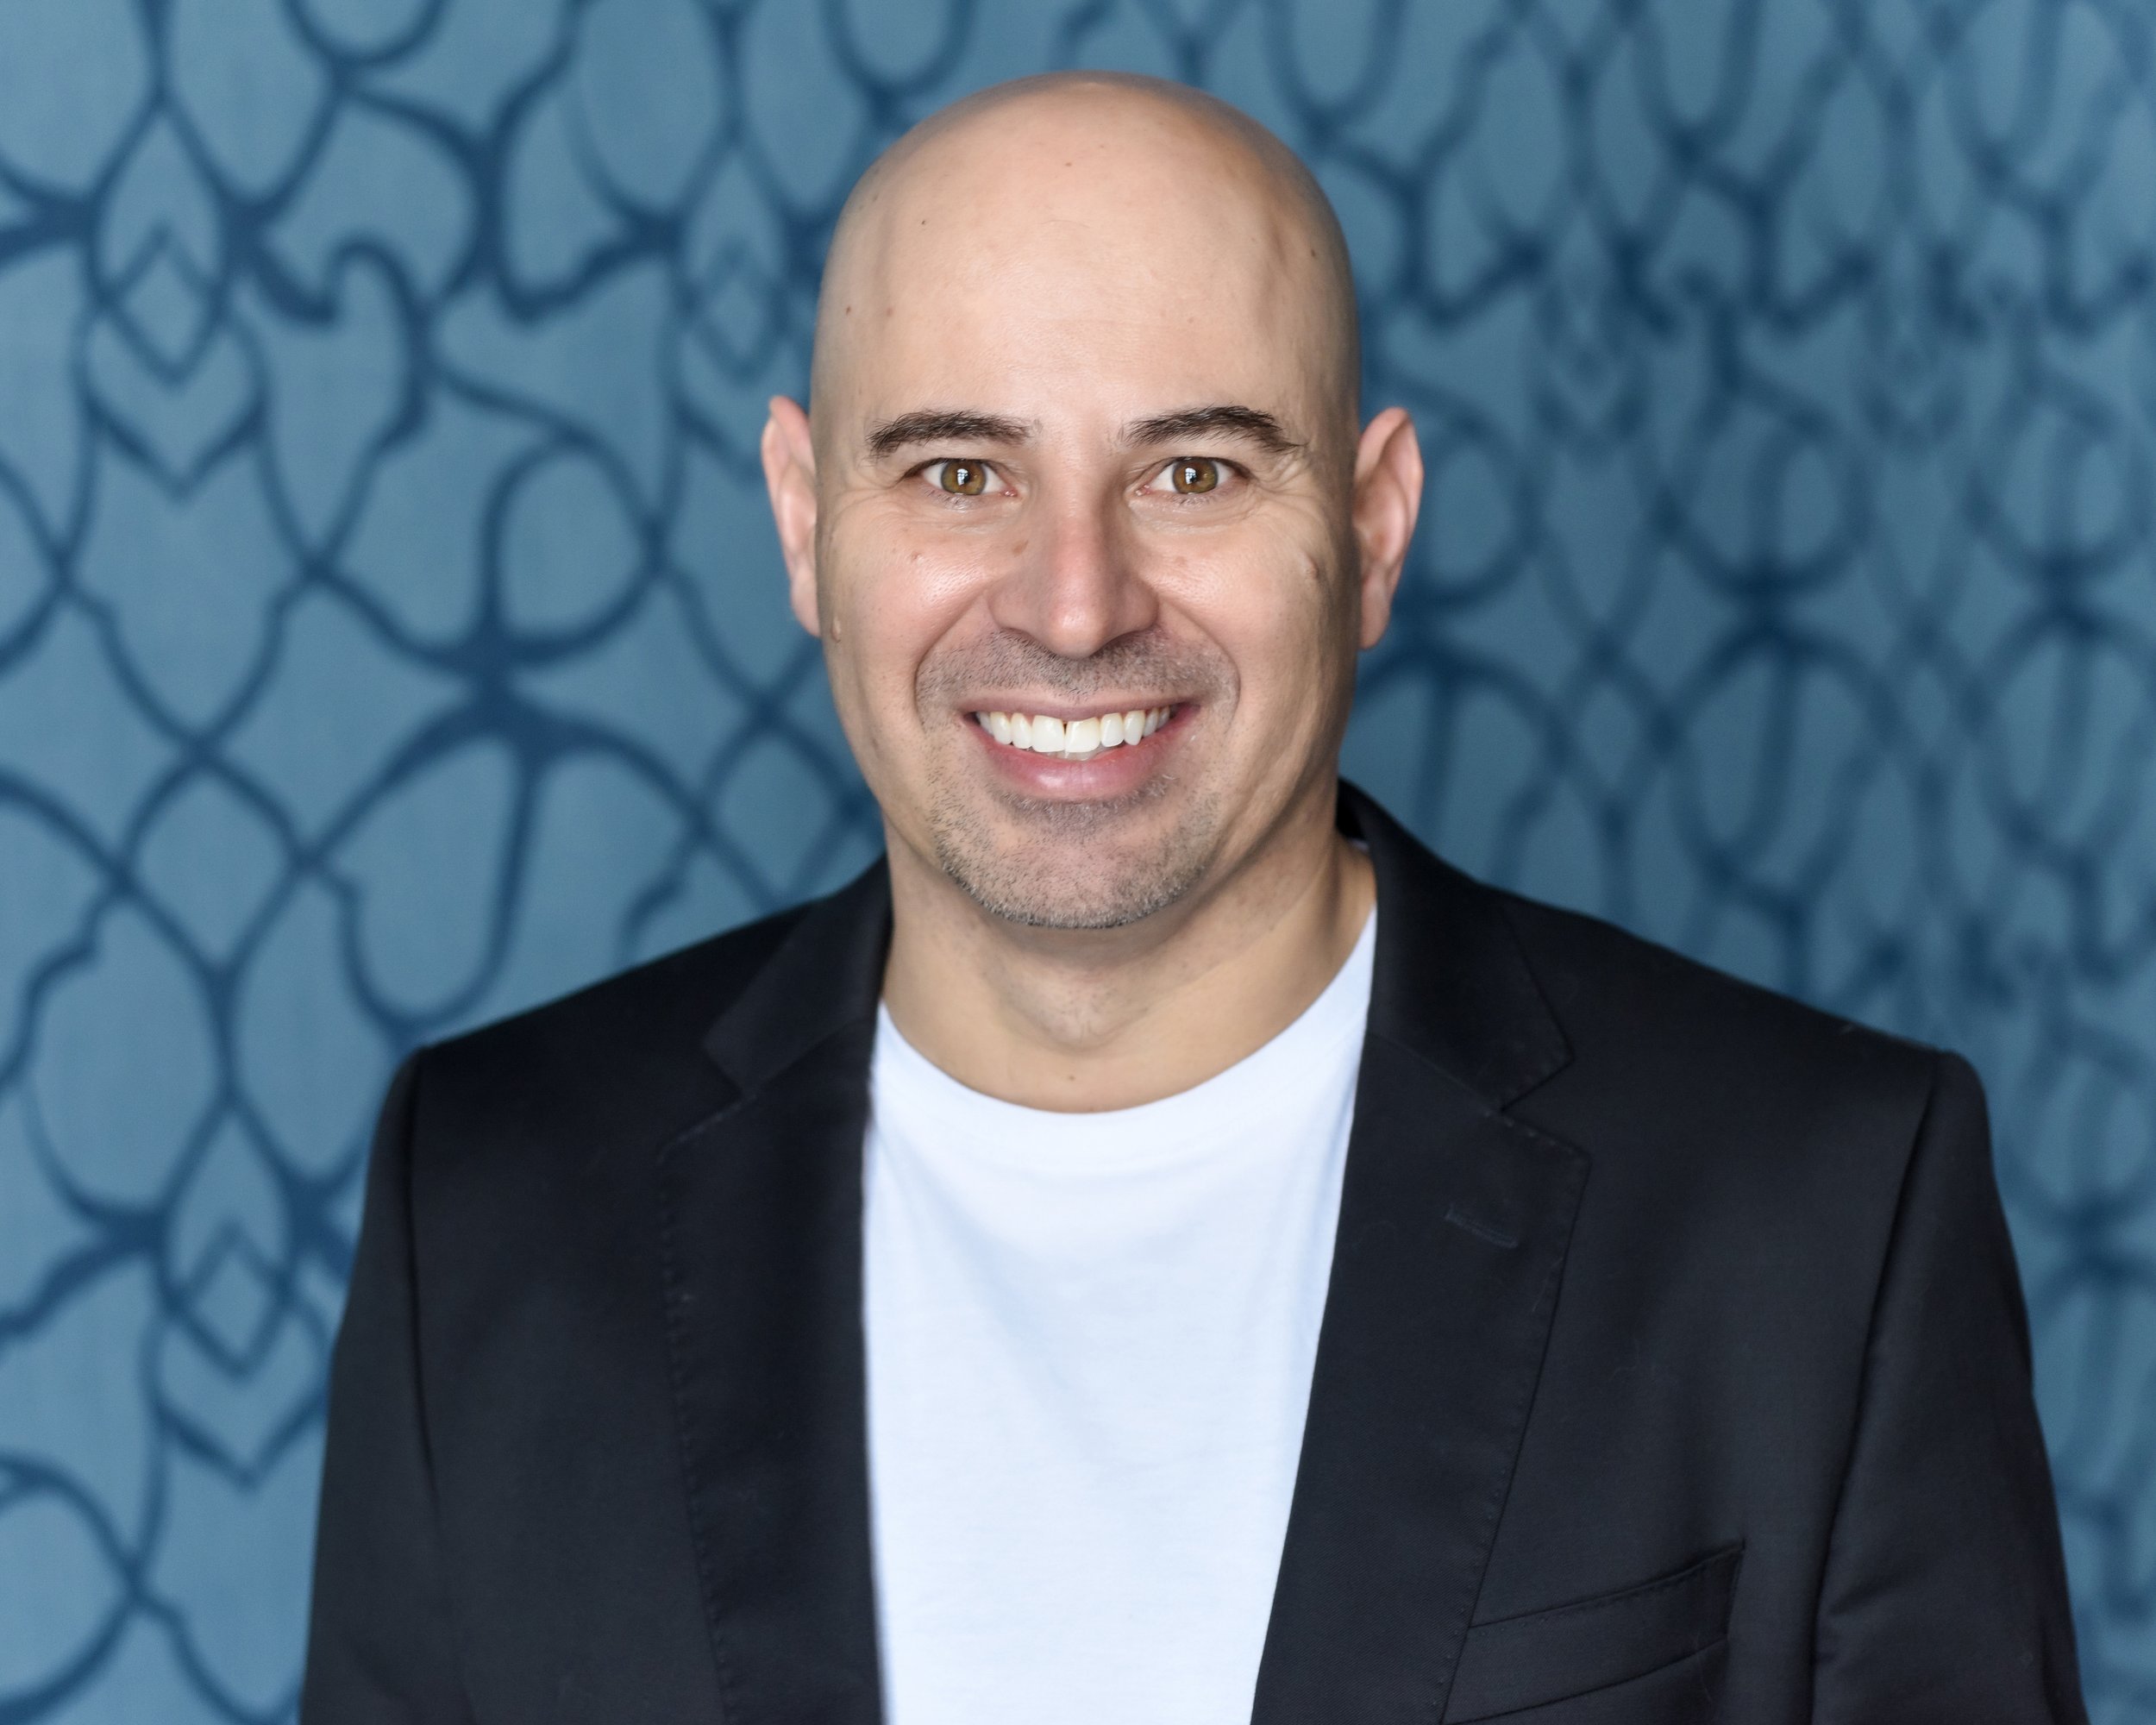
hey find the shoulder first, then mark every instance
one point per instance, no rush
(1749, 1156)
(1666, 1048)
(621, 1058)
(674, 997)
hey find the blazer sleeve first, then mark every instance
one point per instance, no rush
(1944, 1592)
(380, 1648)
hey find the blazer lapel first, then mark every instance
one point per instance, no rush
(1454, 1224)
(762, 1220)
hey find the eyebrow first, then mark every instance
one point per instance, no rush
(935, 426)
(1251, 424)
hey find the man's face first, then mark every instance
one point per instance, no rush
(1084, 564)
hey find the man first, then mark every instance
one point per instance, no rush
(1162, 1246)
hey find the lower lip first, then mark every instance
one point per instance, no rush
(1112, 772)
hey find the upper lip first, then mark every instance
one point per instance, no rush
(1067, 711)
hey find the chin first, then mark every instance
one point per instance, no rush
(1095, 865)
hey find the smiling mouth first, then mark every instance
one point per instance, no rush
(1073, 739)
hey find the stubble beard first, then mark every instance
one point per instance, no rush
(1065, 867)
(1041, 863)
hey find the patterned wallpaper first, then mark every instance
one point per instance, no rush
(390, 634)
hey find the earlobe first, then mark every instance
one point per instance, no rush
(789, 476)
(1388, 499)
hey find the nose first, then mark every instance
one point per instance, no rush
(1075, 583)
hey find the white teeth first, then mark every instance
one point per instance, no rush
(1077, 739)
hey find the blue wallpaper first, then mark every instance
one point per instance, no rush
(391, 633)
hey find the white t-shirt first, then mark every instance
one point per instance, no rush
(1090, 1345)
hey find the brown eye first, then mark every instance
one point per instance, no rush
(963, 479)
(1191, 474)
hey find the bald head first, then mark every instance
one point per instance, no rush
(1103, 196)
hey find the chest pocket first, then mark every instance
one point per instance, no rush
(1652, 1654)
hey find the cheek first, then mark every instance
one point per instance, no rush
(1280, 618)
(899, 597)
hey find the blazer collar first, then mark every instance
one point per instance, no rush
(1454, 1225)
(1450, 984)
(825, 975)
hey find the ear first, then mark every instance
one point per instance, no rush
(789, 474)
(1388, 497)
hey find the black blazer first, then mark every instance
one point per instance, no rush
(1673, 1367)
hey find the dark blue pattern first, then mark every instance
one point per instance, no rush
(391, 633)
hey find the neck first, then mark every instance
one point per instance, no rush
(1085, 1020)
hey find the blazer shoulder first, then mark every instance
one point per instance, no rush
(622, 1057)
(681, 991)
(1672, 1026)
(1716, 1112)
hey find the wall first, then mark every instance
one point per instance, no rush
(391, 632)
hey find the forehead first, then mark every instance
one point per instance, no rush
(1045, 270)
